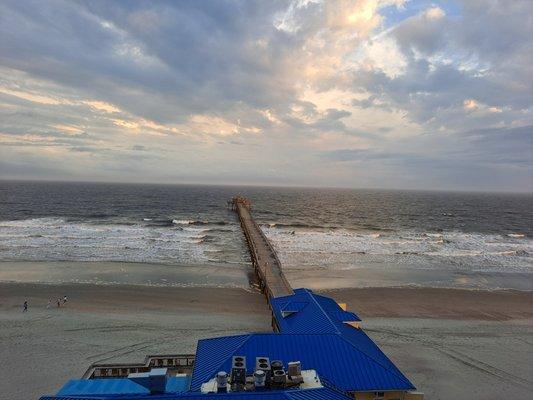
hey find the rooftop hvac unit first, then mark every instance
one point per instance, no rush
(276, 365)
(295, 368)
(259, 379)
(295, 372)
(222, 382)
(279, 378)
(238, 371)
(263, 364)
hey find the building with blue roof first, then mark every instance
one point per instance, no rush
(334, 358)
(309, 328)
(308, 312)
(320, 315)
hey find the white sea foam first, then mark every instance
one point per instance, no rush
(182, 222)
(350, 249)
(57, 239)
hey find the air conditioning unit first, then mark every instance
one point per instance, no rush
(238, 372)
(259, 379)
(279, 377)
(263, 364)
(222, 382)
(295, 368)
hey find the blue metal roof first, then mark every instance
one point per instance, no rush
(294, 306)
(345, 316)
(294, 394)
(118, 386)
(314, 314)
(333, 356)
(324, 315)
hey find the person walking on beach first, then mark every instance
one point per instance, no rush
(58, 303)
(25, 309)
(64, 300)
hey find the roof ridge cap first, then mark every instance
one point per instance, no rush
(324, 312)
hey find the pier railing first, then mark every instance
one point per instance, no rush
(177, 363)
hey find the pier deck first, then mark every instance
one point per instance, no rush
(263, 255)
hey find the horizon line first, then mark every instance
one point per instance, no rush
(272, 186)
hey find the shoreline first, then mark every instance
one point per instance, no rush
(220, 275)
(379, 302)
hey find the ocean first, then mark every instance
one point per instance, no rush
(326, 238)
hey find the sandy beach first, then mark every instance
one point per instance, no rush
(444, 340)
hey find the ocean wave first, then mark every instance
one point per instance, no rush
(32, 222)
(197, 222)
(321, 248)
(182, 221)
(157, 240)
(296, 225)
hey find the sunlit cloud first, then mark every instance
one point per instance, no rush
(36, 98)
(102, 106)
(434, 13)
(73, 130)
(470, 105)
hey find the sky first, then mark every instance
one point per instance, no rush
(364, 93)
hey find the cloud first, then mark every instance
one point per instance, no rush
(103, 106)
(283, 92)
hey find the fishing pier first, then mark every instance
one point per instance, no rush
(264, 258)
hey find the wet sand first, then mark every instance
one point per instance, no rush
(457, 344)
(460, 304)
